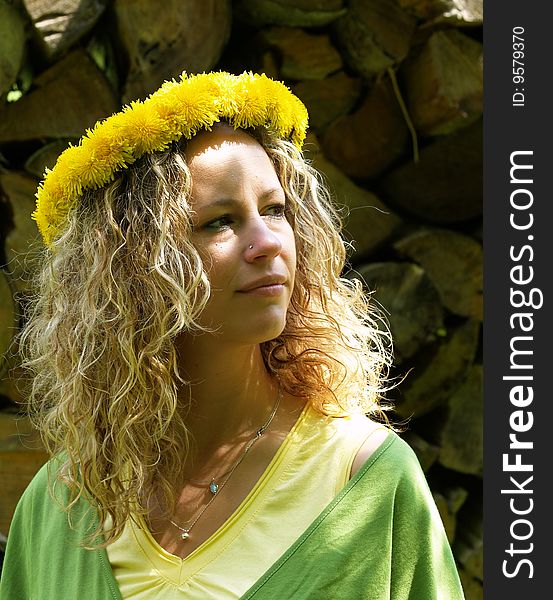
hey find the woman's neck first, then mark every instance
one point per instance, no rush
(231, 395)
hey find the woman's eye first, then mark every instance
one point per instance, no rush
(219, 223)
(277, 210)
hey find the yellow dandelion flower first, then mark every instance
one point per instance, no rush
(195, 111)
(251, 107)
(108, 151)
(76, 164)
(179, 106)
(168, 113)
(225, 92)
(64, 180)
(144, 129)
(51, 209)
(281, 109)
(301, 122)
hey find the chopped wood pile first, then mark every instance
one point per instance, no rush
(394, 91)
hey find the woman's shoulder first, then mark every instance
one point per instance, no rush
(373, 445)
(43, 508)
(376, 436)
(386, 451)
(37, 493)
(38, 484)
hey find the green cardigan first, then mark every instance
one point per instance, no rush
(380, 538)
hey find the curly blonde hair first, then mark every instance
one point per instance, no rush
(123, 280)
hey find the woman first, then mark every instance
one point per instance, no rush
(202, 373)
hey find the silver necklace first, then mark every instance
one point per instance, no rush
(214, 487)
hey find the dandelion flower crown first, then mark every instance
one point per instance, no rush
(177, 109)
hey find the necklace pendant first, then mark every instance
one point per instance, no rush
(184, 535)
(213, 487)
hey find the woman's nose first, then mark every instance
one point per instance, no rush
(261, 241)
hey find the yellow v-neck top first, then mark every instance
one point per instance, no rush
(311, 466)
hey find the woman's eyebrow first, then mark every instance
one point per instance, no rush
(271, 192)
(232, 201)
(220, 202)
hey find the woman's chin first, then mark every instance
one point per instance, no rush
(258, 331)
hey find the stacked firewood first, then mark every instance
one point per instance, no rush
(394, 91)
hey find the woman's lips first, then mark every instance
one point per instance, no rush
(274, 289)
(265, 283)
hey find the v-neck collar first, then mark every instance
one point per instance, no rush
(182, 568)
(275, 567)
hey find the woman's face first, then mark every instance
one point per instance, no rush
(242, 234)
